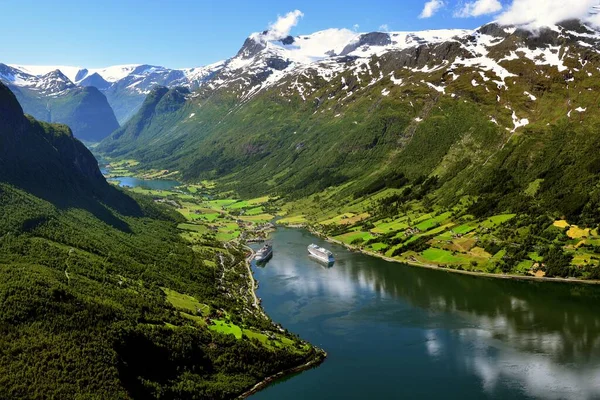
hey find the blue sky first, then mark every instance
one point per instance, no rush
(186, 33)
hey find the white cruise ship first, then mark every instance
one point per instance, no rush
(321, 254)
(264, 253)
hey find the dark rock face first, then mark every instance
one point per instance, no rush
(575, 25)
(493, 29)
(346, 59)
(277, 63)
(369, 39)
(412, 39)
(82, 73)
(260, 77)
(250, 48)
(288, 40)
(419, 57)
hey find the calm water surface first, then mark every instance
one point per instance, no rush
(153, 184)
(394, 331)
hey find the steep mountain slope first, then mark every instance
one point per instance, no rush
(102, 297)
(46, 160)
(160, 107)
(286, 116)
(52, 97)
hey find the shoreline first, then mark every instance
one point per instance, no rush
(313, 363)
(446, 269)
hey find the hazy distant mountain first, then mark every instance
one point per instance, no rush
(53, 97)
(125, 86)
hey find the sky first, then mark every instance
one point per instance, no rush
(187, 33)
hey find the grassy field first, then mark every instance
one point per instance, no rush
(496, 220)
(433, 222)
(295, 220)
(227, 328)
(201, 229)
(392, 226)
(258, 219)
(185, 302)
(348, 238)
(441, 256)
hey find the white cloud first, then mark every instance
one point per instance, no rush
(355, 27)
(538, 13)
(282, 27)
(431, 7)
(384, 28)
(478, 8)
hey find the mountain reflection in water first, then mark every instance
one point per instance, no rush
(389, 329)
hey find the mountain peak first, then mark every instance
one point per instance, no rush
(54, 82)
(251, 47)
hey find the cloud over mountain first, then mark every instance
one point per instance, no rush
(431, 7)
(538, 13)
(284, 24)
(478, 8)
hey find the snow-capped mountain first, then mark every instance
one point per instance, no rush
(49, 95)
(364, 100)
(264, 62)
(125, 86)
(52, 82)
(297, 63)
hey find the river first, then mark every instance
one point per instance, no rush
(396, 331)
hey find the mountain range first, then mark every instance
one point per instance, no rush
(124, 87)
(296, 115)
(104, 294)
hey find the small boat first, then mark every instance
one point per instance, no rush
(265, 253)
(321, 254)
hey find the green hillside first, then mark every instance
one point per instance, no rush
(103, 297)
(429, 122)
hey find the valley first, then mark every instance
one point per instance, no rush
(402, 230)
(453, 175)
(116, 290)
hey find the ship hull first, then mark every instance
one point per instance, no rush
(321, 257)
(263, 257)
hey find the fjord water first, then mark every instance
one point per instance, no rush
(396, 331)
(152, 184)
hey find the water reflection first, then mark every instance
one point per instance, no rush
(517, 339)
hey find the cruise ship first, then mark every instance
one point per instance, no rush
(321, 254)
(264, 253)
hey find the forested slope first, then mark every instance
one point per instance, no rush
(100, 296)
